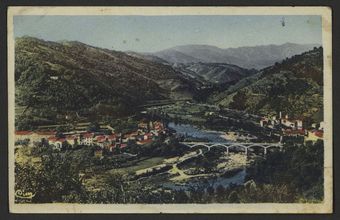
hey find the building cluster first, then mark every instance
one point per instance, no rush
(146, 133)
(285, 121)
(293, 127)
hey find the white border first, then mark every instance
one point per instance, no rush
(325, 207)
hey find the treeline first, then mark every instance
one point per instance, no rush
(298, 167)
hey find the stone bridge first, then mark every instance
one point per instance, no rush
(229, 145)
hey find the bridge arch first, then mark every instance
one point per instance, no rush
(265, 147)
(239, 145)
(275, 146)
(200, 145)
(226, 146)
(219, 145)
(256, 146)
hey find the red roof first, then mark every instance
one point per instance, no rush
(88, 135)
(144, 141)
(53, 139)
(111, 137)
(131, 135)
(71, 137)
(45, 132)
(23, 132)
(319, 134)
(299, 131)
(61, 139)
(101, 138)
(123, 145)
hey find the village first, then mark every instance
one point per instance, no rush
(289, 127)
(103, 140)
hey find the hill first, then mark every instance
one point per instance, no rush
(217, 73)
(54, 80)
(257, 57)
(294, 86)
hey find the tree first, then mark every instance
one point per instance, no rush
(55, 178)
(239, 101)
(116, 183)
(233, 197)
(220, 193)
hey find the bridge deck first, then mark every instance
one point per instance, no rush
(227, 145)
(232, 143)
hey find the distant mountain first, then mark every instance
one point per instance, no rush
(147, 57)
(173, 55)
(294, 86)
(216, 73)
(57, 79)
(256, 57)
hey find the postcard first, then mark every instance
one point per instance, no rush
(170, 109)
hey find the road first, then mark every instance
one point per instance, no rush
(180, 173)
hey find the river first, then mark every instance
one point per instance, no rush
(213, 136)
(193, 131)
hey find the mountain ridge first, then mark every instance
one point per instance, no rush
(249, 57)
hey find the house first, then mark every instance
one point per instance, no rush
(98, 153)
(294, 132)
(57, 143)
(87, 139)
(111, 147)
(288, 123)
(143, 125)
(158, 126)
(147, 136)
(285, 121)
(294, 124)
(112, 138)
(322, 126)
(101, 141)
(263, 122)
(124, 140)
(23, 135)
(131, 136)
(72, 140)
(314, 125)
(299, 123)
(318, 126)
(33, 137)
(314, 135)
(37, 136)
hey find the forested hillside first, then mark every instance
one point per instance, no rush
(294, 86)
(54, 80)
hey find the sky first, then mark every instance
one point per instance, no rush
(155, 33)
